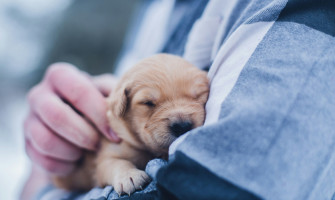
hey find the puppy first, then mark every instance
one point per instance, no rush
(158, 100)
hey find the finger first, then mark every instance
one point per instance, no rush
(62, 119)
(105, 83)
(77, 89)
(47, 143)
(50, 165)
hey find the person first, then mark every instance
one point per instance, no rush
(268, 132)
(67, 101)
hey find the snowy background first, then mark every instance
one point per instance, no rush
(35, 33)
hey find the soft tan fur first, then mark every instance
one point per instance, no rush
(158, 91)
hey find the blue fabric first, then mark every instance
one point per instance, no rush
(107, 193)
(275, 135)
(276, 128)
(176, 43)
(184, 178)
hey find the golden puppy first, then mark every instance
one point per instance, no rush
(158, 100)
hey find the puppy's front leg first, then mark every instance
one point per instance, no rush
(121, 174)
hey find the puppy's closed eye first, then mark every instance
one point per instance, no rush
(149, 103)
(155, 102)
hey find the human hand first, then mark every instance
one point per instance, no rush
(67, 112)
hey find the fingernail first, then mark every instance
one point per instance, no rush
(113, 135)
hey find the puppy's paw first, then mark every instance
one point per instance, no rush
(130, 180)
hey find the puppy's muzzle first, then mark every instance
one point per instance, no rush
(180, 127)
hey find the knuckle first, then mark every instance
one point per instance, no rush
(52, 114)
(33, 93)
(41, 137)
(44, 162)
(57, 69)
(78, 93)
(55, 167)
(50, 165)
(45, 143)
(48, 144)
(71, 84)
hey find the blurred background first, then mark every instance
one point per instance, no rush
(35, 33)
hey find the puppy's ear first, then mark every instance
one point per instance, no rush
(119, 101)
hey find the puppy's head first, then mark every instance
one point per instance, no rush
(159, 99)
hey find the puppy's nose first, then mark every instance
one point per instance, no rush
(180, 127)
